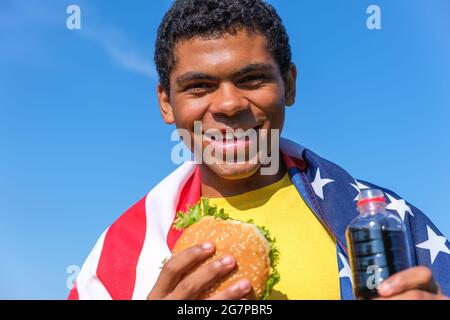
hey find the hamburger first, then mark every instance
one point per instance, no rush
(253, 248)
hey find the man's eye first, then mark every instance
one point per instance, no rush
(252, 80)
(198, 87)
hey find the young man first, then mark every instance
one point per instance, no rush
(226, 64)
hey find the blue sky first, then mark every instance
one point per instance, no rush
(82, 138)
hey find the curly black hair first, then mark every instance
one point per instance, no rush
(187, 19)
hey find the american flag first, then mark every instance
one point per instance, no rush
(126, 260)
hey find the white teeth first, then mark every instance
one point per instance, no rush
(239, 134)
(229, 136)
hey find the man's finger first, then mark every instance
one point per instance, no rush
(174, 269)
(417, 278)
(203, 278)
(239, 290)
(414, 295)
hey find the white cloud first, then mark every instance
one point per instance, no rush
(121, 51)
(132, 61)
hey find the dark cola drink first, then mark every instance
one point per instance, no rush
(377, 243)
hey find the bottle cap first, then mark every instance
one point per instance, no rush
(370, 196)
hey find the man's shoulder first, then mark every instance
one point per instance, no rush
(325, 175)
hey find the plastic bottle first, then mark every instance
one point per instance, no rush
(377, 243)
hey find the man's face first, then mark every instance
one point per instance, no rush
(231, 82)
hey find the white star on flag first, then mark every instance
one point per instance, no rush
(399, 205)
(435, 244)
(358, 186)
(319, 183)
(346, 271)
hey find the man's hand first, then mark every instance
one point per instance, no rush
(177, 281)
(412, 284)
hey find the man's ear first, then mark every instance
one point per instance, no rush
(164, 105)
(290, 84)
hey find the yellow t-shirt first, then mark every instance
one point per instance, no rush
(308, 263)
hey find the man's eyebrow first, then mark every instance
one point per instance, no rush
(255, 67)
(192, 76)
(196, 76)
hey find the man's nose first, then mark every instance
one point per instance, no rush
(228, 101)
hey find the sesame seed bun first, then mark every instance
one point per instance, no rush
(251, 245)
(243, 241)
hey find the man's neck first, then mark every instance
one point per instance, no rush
(213, 186)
